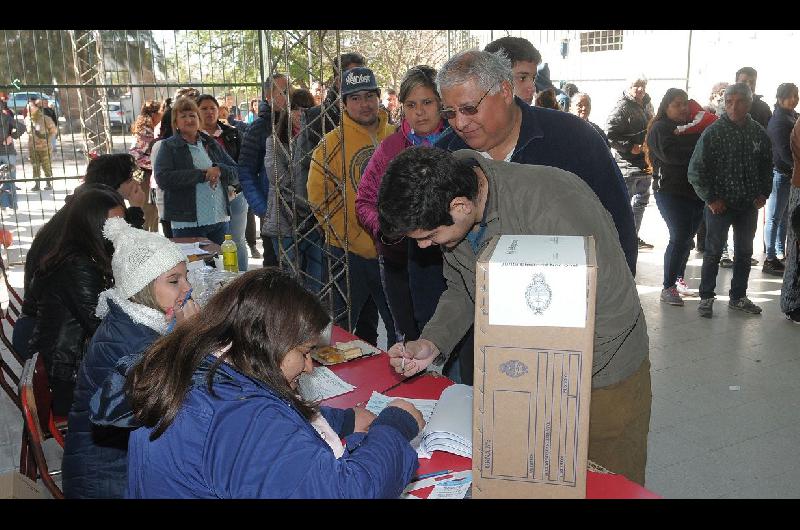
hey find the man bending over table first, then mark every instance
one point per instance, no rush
(460, 201)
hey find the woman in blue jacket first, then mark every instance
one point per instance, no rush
(222, 418)
(194, 172)
(150, 291)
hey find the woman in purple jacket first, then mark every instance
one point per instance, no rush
(412, 277)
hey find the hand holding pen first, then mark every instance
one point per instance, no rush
(182, 310)
(410, 357)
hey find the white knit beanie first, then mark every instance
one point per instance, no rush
(139, 256)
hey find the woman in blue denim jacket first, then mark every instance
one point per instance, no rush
(195, 172)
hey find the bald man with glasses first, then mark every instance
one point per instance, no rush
(478, 100)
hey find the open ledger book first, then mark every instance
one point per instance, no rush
(448, 420)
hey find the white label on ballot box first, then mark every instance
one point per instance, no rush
(538, 281)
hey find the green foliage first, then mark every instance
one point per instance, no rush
(45, 56)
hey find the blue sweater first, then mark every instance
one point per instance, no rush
(553, 138)
(246, 442)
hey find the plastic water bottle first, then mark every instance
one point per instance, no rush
(230, 259)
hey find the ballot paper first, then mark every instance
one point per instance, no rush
(322, 384)
(377, 402)
(455, 490)
(191, 249)
(450, 426)
(448, 421)
(453, 485)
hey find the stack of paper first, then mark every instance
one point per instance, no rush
(448, 421)
(192, 249)
(450, 426)
(322, 384)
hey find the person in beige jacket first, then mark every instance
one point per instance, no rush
(41, 132)
(459, 201)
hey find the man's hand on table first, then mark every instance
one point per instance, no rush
(412, 357)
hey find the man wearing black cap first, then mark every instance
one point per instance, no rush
(364, 126)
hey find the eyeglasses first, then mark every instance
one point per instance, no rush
(387, 241)
(466, 110)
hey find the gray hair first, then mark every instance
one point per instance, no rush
(576, 97)
(636, 78)
(486, 69)
(743, 89)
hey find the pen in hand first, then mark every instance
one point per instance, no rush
(186, 298)
(401, 338)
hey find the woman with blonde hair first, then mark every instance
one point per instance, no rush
(194, 172)
(151, 293)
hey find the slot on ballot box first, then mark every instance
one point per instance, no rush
(534, 337)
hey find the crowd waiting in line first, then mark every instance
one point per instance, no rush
(168, 399)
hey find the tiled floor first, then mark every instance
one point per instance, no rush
(726, 391)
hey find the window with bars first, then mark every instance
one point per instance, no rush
(599, 41)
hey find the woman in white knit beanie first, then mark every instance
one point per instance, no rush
(151, 292)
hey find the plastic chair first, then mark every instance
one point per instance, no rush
(36, 398)
(9, 380)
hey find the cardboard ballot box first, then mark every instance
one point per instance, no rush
(534, 335)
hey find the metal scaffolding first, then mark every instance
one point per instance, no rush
(87, 59)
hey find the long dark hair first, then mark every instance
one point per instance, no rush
(661, 114)
(261, 315)
(81, 232)
(48, 235)
(669, 95)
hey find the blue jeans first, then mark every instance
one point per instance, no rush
(638, 184)
(682, 216)
(777, 214)
(311, 259)
(744, 230)
(365, 282)
(8, 190)
(238, 225)
(215, 232)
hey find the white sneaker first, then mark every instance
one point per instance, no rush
(682, 288)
